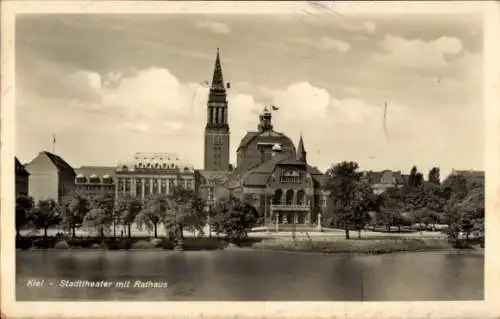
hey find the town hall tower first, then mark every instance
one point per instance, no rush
(217, 128)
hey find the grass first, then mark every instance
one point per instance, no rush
(52, 242)
(356, 246)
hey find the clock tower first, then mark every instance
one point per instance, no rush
(216, 156)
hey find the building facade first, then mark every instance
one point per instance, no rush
(216, 151)
(22, 179)
(50, 177)
(384, 180)
(473, 177)
(96, 180)
(276, 177)
(149, 174)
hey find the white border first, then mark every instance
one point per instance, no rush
(469, 309)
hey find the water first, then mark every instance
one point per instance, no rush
(252, 276)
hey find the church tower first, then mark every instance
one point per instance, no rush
(217, 128)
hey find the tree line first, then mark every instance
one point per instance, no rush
(181, 210)
(456, 202)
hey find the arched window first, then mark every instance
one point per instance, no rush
(300, 197)
(278, 194)
(289, 197)
(164, 165)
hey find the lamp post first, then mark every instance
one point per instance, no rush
(209, 222)
(267, 208)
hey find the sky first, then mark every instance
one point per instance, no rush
(108, 86)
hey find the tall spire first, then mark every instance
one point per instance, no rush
(301, 151)
(218, 80)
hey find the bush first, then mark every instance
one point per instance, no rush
(61, 245)
(82, 242)
(95, 246)
(23, 243)
(44, 243)
(142, 244)
(114, 244)
(166, 243)
(203, 243)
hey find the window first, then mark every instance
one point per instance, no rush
(256, 200)
(217, 140)
(189, 184)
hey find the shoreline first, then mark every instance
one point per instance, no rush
(344, 247)
(474, 252)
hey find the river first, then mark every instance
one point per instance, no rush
(232, 275)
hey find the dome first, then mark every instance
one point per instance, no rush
(277, 147)
(80, 176)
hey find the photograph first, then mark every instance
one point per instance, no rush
(193, 155)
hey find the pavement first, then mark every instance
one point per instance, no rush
(259, 232)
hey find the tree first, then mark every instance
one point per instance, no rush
(46, 215)
(24, 207)
(153, 213)
(416, 178)
(455, 186)
(391, 207)
(433, 176)
(471, 212)
(127, 208)
(185, 211)
(74, 208)
(234, 218)
(100, 216)
(350, 196)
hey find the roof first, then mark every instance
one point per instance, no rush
(20, 169)
(247, 139)
(60, 164)
(471, 176)
(100, 171)
(250, 136)
(259, 176)
(375, 177)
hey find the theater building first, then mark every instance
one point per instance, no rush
(275, 176)
(153, 173)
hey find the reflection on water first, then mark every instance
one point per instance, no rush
(252, 276)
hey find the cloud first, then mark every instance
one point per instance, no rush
(135, 127)
(417, 53)
(325, 43)
(370, 27)
(331, 43)
(215, 27)
(159, 112)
